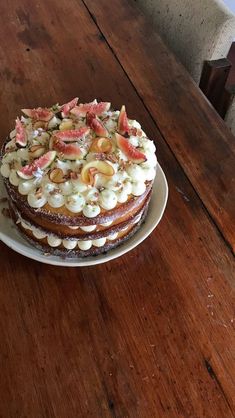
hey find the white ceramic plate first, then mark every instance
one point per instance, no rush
(13, 239)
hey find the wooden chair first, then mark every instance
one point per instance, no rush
(218, 84)
(200, 33)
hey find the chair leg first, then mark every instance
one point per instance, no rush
(213, 80)
(226, 100)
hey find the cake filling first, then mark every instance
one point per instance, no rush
(70, 244)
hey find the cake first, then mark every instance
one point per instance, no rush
(79, 177)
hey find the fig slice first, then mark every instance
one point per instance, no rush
(129, 150)
(96, 125)
(66, 151)
(101, 145)
(123, 126)
(94, 167)
(42, 114)
(36, 151)
(73, 134)
(67, 107)
(27, 172)
(93, 107)
(57, 176)
(21, 135)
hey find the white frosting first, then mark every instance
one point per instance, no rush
(78, 186)
(110, 124)
(114, 184)
(122, 196)
(10, 144)
(121, 155)
(149, 173)
(84, 245)
(54, 122)
(88, 228)
(76, 165)
(69, 244)
(134, 123)
(49, 187)
(14, 178)
(138, 218)
(75, 203)
(38, 234)
(151, 159)
(135, 172)
(113, 236)
(99, 242)
(66, 188)
(108, 199)
(36, 200)
(56, 200)
(107, 223)
(25, 187)
(127, 187)
(101, 180)
(92, 195)
(23, 154)
(25, 225)
(5, 170)
(11, 156)
(138, 188)
(148, 145)
(134, 140)
(53, 241)
(91, 211)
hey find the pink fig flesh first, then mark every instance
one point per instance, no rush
(96, 108)
(21, 136)
(96, 125)
(129, 150)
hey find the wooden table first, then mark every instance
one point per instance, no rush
(150, 334)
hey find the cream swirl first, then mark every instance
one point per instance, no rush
(91, 211)
(84, 245)
(25, 187)
(36, 199)
(108, 199)
(75, 203)
(69, 244)
(56, 200)
(89, 228)
(99, 242)
(53, 241)
(5, 170)
(135, 172)
(138, 188)
(66, 188)
(38, 234)
(14, 178)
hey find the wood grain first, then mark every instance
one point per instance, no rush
(198, 137)
(148, 335)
